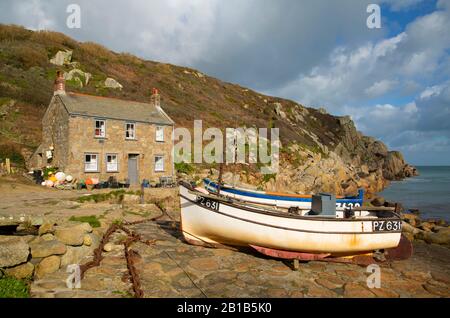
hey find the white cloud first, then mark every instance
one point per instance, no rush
(380, 88)
(431, 91)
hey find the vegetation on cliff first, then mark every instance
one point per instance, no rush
(319, 151)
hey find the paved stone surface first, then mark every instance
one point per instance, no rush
(172, 268)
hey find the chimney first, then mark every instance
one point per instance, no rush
(60, 85)
(156, 98)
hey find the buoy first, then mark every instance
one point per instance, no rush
(60, 176)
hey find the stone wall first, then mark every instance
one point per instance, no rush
(55, 133)
(82, 140)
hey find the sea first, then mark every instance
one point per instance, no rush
(429, 192)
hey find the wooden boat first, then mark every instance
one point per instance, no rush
(212, 220)
(279, 199)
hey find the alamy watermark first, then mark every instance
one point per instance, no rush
(374, 19)
(74, 19)
(74, 279)
(234, 146)
(374, 279)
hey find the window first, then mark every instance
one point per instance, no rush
(90, 162)
(159, 133)
(100, 131)
(159, 163)
(112, 163)
(130, 131)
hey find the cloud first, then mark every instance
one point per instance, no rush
(380, 88)
(320, 53)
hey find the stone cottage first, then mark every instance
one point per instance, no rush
(91, 136)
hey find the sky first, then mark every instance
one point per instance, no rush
(393, 81)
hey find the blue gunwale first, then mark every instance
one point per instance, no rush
(209, 183)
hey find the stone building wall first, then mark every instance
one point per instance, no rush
(82, 141)
(55, 133)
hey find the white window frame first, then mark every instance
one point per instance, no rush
(133, 130)
(116, 169)
(159, 137)
(86, 169)
(102, 129)
(162, 164)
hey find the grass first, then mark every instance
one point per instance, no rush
(91, 219)
(14, 288)
(101, 197)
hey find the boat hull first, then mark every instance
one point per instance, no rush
(229, 224)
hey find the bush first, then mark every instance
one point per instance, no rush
(13, 153)
(13, 288)
(183, 167)
(14, 33)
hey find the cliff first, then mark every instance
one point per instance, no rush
(320, 152)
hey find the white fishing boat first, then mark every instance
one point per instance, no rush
(215, 220)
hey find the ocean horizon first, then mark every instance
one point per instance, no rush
(429, 192)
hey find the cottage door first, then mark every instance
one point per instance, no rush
(133, 175)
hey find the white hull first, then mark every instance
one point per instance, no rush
(233, 225)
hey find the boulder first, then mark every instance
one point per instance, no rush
(48, 265)
(279, 111)
(48, 237)
(21, 271)
(46, 228)
(407, 228)
(13, 251)
(112, 83)
(108, 247)
(62, 58)
(72, 234)
(75, 255)
(426, 226)
(440, 237)
(411, 219)
(378, 201)
(409, 236)
(42, 248)
(78, 74)
(87, 240)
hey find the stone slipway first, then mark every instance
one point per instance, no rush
(172, 268)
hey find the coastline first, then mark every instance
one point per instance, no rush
(425, 193)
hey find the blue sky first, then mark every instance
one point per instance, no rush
(393, 81)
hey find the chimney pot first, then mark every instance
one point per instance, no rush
(156, 99)
(60, 84)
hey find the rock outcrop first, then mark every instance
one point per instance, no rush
(62, 58)
(112, 83)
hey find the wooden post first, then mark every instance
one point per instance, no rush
(142, 193)
(296, 264)
(8, 166)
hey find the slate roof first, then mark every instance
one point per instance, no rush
(112, 108)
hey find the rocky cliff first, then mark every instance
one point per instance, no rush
(320, 152)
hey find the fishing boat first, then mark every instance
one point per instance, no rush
(215, 220)
(279, 199)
